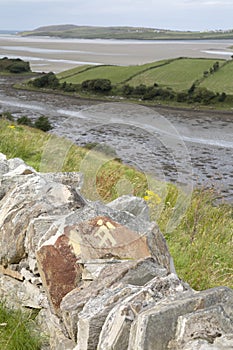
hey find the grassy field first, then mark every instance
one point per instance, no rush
(222, 80)
(201, 245)
(179, 74)
(117, 74)
(72, 72)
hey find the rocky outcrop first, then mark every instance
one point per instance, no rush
(100, 276)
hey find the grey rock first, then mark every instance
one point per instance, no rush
(94, 313)
(21, 294)
(208, 324)
(156, 327)
(4, 166)
(71, 179)
(116, 329)
(224, 342)
(52, 332)
(73, 303)
(14, 163)
(22, 169)
(32, 198)
(131, 204)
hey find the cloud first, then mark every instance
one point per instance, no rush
(209, 2)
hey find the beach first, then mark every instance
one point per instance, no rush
(55, 54)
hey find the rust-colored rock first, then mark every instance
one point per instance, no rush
(101, 237)
(58, 270)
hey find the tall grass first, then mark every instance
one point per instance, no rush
(17, 330)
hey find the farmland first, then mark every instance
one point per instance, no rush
(178, 74)
(117, 74)
(222, 80)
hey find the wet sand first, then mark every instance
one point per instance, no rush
(207, 135)
(54, 54)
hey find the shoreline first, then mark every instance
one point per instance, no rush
(53, 54)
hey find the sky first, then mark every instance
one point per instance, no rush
(161, 14)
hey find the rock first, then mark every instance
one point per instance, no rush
(2, 157)
(72, 179)
(14, 163)
(33, 198)
(21, 294)
(224, 342)
(100, 276)
(134, 205)
(101, 237)
(73, 303)
(58, 270)
(94, 313)
(53, 332)
(116, 329)
(156, 327)
(4, 166)
(22, 169)
(206, 324)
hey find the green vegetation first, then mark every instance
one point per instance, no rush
(179, 74)
(186, 81)
(221, 80)
(15, 65)
(201, 245)
(41, 122)
(140, 33)
(117, 74)
(17, 330)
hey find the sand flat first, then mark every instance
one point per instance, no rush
(54, 54)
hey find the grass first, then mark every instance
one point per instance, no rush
(73, 71)
(17, 330)
(221, 81)
(180, 74)
(201, 245)
(117, 74)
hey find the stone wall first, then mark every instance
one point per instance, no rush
(100, 276)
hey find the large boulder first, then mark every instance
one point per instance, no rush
(26, 195)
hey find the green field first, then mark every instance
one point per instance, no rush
(221, 81)
(179, 74)
(71, 72)
(117, 74)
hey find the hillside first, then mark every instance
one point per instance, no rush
(135, 33)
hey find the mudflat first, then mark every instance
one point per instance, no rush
(55, 54)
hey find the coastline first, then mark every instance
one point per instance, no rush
(53, 54)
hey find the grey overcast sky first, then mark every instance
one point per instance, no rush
(169, 14)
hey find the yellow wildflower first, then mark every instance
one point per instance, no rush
(152, 197)
(11, 126)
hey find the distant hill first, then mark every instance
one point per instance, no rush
(56, 28)
(133, 33)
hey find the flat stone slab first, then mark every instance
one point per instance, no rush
(101, 238)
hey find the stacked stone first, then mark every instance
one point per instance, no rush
(101, 276)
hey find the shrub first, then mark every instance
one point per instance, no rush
(97, 85)
(24, 120)
(48, 80)
(19, 67)
(43, 123)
